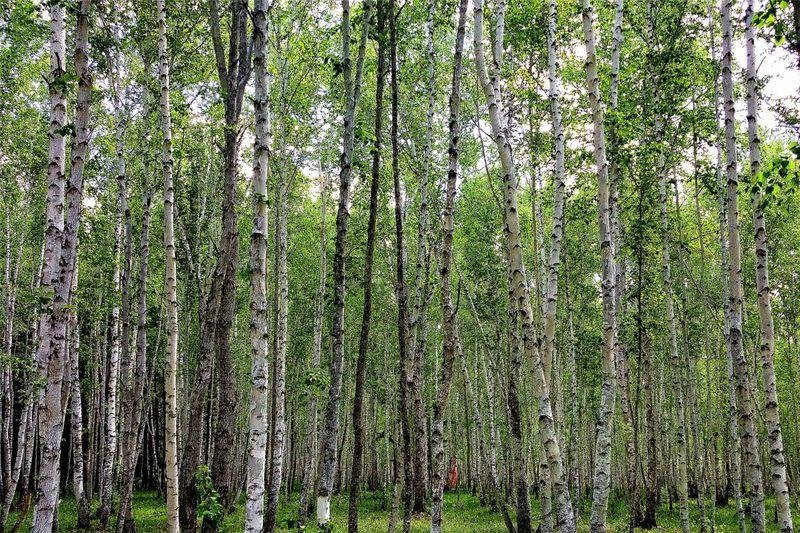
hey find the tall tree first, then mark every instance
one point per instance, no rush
(170, 280)
(771, 414)
(352, 90)
(518, 290)
(52, 401)
(747, 429)
(449, 334)
(259, 342)
(602, 469)
(366, 316)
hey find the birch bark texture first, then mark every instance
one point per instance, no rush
(330, 434)
(53, 399)
(747, 429)
(449, 318)
(772, 417)
(602, 470)
(170, 280)
(259, 341)
(519, 292)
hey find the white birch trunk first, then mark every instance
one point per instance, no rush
(519, 292)
(170, 281)
(747, 429)
(52, 401)
(449, 318)
(259, 342)
(602, 469)
(771, 414)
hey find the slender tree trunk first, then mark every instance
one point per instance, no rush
(52, 401)
(449, 312)
(602, 468)
(418, 321)
(681, 451)
(133, 427)
(406, 363)
(748, 434)
(76, 417)
(117, 340)
(330, 434)
(366, 317)
(310, 456)
(733, 450)
(551, 288)
(519, 292)
(259, 342)
(170, 281)
(771, 413)
(281, 338)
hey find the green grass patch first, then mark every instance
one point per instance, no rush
(462, 513)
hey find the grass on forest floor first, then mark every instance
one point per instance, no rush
(462, 513)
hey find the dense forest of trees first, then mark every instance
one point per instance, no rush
(282, 265)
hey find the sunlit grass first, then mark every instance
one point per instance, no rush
(462, 513)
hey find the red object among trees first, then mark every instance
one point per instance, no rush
(452, 474)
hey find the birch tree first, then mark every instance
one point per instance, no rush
(519, 293)
(52, 401)
(352, 89)
(771, 414)
(602, 470)
(747, 430)
(170, 279)
(449, 318)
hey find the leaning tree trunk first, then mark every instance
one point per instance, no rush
(602, 469)
(52, 400)
(449, 317)
(771, 413)
(366, 316)
(259, 343)
(519, 291)
(330, 434)
(748, 434)
(170, 282)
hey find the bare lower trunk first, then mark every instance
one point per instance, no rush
(330, 434)
(771, 413)
(366, 317)
(170, 282)
(602, 468)
(76, 419)
(52, 401)
(449, 317)
(748, 434)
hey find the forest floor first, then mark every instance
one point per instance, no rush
(462, 513)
